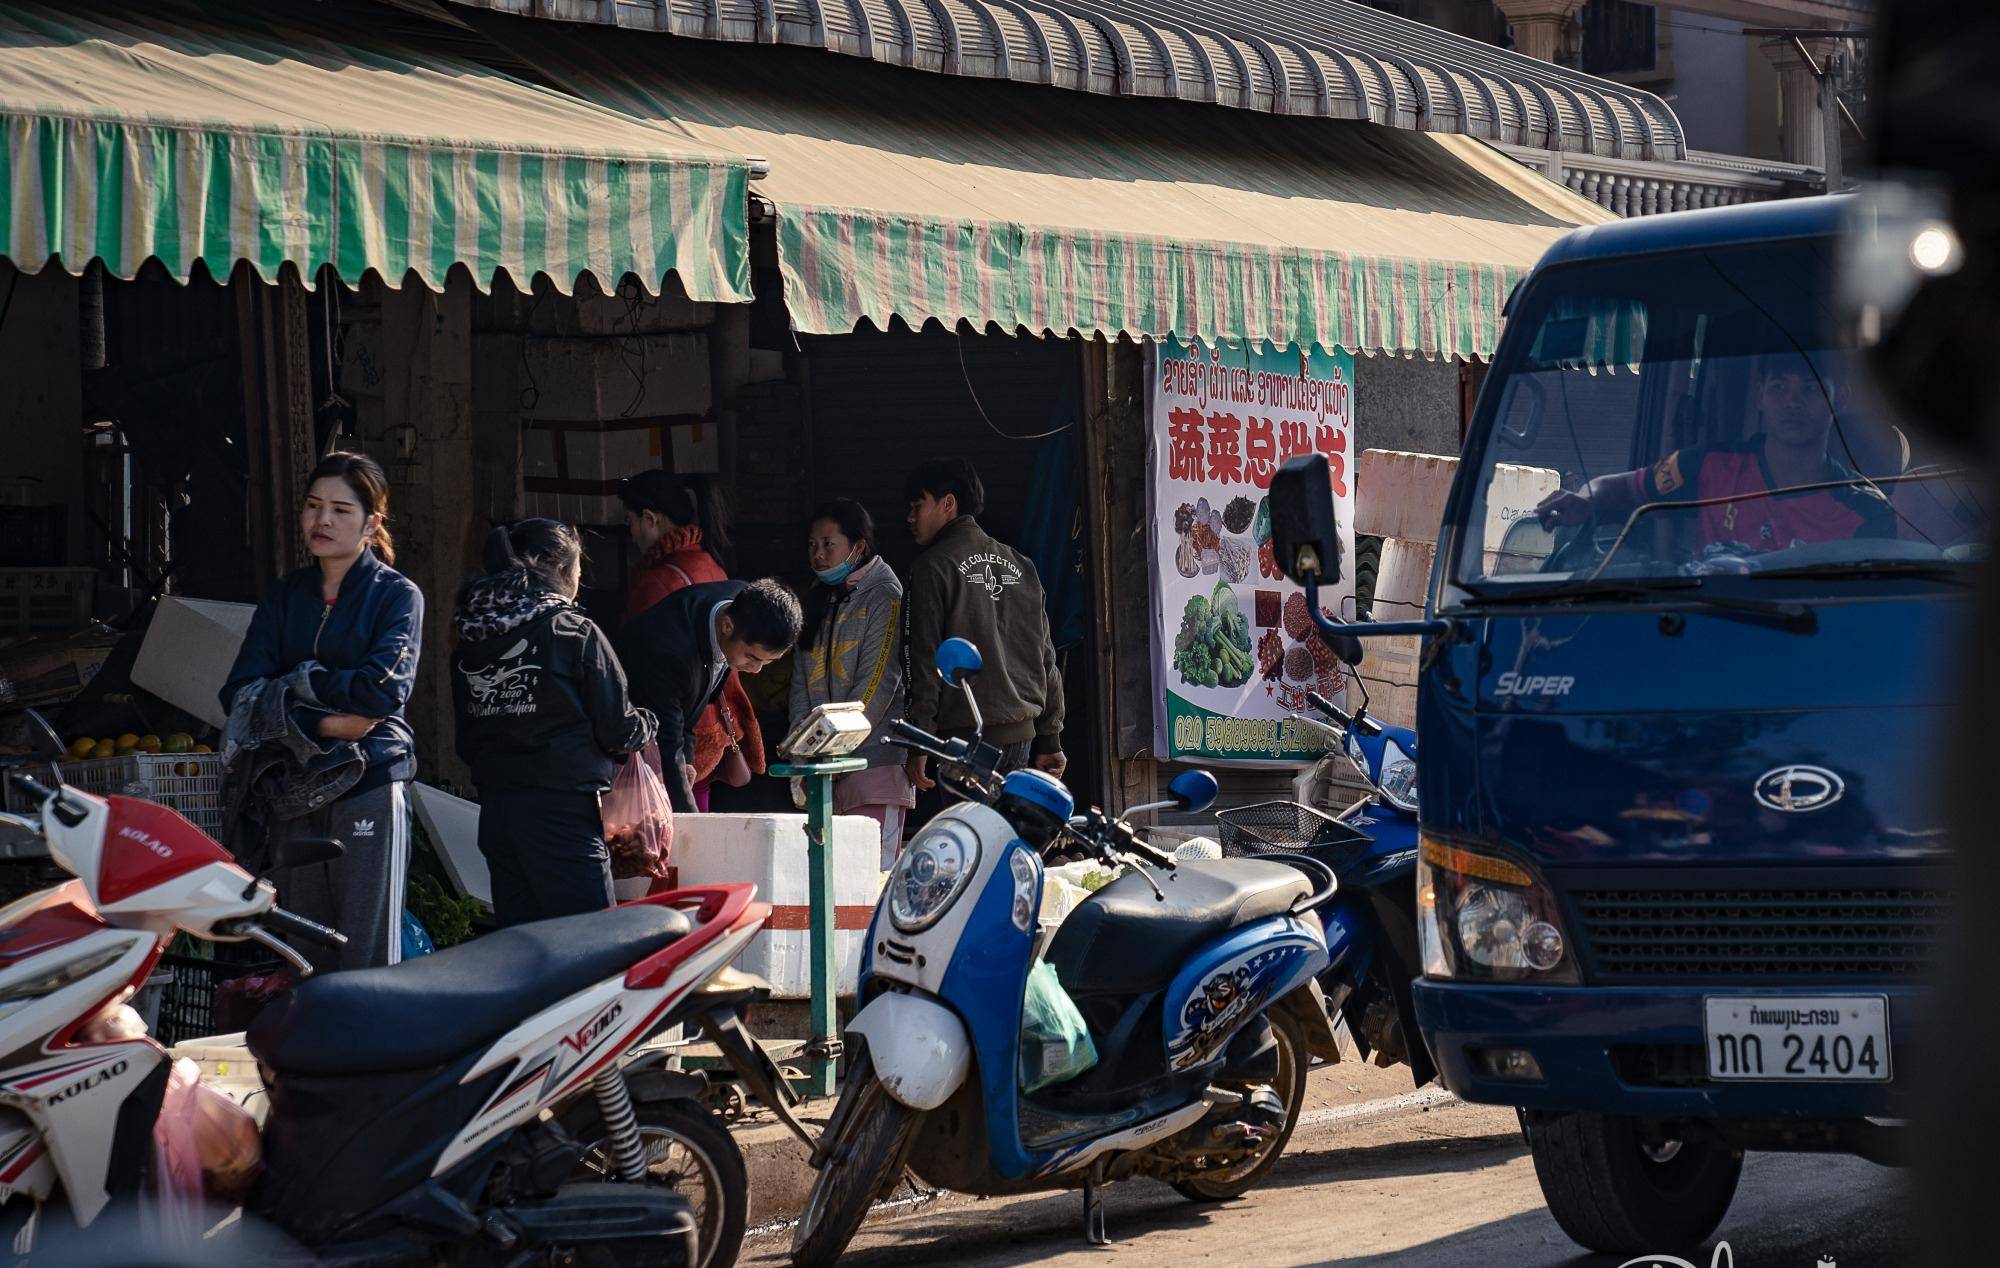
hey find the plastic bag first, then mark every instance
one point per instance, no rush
(638, 818)
(205, 1146)
(416, 938)
(240, 999)
(1055, 1042)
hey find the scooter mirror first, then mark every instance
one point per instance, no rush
(1305, 534)
(957, 659)
(1194, 790)
(41, 734)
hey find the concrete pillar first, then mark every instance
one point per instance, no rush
(1801, 126)
(1538, 24)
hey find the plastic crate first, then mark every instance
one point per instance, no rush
(1287, 827)
(188, 783)
(187, 1004)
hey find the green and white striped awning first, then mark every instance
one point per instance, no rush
(920, 197)
(268, 137)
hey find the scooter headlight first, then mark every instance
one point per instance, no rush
(1399, 779)
(930, 876)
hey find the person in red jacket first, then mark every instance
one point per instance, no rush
(679, 525)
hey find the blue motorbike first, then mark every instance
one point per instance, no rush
(1190, 989)
(1371, 846)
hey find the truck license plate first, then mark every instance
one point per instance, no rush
(1798, 1038)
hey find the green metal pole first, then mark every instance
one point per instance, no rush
(825, 982)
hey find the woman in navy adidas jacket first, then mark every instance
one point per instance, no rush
(360, 622)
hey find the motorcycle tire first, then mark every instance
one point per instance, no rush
(1614, 1190)
(691, 1153)
(1226, 1184)
(862, 1166)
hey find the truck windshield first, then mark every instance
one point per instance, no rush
(1696, 414)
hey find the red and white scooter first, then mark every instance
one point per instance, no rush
(470, 1105)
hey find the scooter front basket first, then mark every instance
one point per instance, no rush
(1288, 827)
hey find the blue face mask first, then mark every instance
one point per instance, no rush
(838, 573)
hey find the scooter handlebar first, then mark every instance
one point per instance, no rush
(1329, 708)
(293, 923)
(28, 784)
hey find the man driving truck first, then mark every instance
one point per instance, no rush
(1736, 483)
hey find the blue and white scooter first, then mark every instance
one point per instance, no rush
(1196, 983)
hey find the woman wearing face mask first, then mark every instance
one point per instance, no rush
(852, 649)
(332, 654)
(543, 721)
(679, 525)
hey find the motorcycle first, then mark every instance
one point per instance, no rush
(1194, 982)
(1370, 921)
(470, 1105)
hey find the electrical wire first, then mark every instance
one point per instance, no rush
(13, 284)
(966, 374)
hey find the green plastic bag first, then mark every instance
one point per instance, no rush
(1055, 1042)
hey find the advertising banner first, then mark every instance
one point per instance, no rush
(1234, 651)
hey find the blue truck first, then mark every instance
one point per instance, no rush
(1687, 659)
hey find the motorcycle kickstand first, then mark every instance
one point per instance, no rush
(1093, 1206)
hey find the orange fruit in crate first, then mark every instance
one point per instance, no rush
(126, 743)
(80, 747)
(203, 748)
(104, 748)
(178, 742)
(149, 744)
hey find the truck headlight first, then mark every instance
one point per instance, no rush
(1481, 917)
(1398, 783)
(930, 876)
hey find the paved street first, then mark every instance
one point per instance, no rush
(1430, 1182)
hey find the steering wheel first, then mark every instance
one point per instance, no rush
(1581, 550)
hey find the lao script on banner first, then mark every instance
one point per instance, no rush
(1234, 650)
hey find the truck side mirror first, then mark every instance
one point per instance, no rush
(1305, 534)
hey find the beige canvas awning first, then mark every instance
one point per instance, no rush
(925, 198)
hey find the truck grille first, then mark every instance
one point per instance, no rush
(1875, 933)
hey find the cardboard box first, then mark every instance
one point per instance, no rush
(44, 671)
(188, 652)
(45, 600)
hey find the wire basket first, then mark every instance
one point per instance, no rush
(1287, 827)
(188, 783)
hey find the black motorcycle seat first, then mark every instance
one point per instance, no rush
(426, 1011)
(1123, 940)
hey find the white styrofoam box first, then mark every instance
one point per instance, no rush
(770, 850)
(1400, 494)
(1401, 585)
(188, 652)
(452, 823)
(1513, 495)
(1402, 579)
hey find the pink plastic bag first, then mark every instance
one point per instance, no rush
(205, 1147)
(638, 818)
